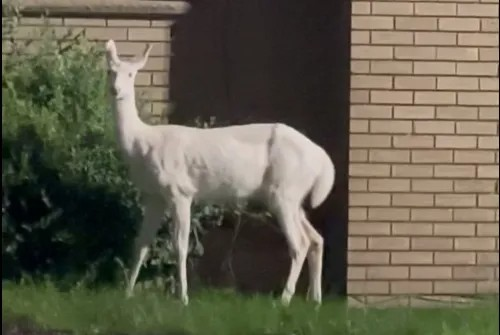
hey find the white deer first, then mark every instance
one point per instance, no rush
(174, 165)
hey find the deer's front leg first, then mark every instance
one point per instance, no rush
(181, 210)
(154, 208)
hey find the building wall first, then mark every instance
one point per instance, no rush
(424, 148)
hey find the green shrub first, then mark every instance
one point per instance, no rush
(68, 208)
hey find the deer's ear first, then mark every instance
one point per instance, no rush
(141, 62)
(111, 52)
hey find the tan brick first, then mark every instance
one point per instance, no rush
(455, 200)
(157, 64)
(456, 53)
(477, 127)
(356, 213)
(370, 112)
(411, 257)
(473, 272)
(358, 184)
(435, 98)
(434, 127)
(488, 142)
(455, 258)
(477, 69)
(415, 171)
(390, 126)
(487, 258)
(474, 214)
(149, 34)
(387, 272)
(370, 141)
(434, 68)
(488, 113)
(143, 79)
(357, 243)
(389, 156)
(389, 243)
(414, 83)
(40, 21)
(456, 113)
(371, 81)
(474, 156)
(479, 10)
(432, 185)
(162, 23)
(488, 287)
(359, 96)
(87, 22)
(388, 185)
(411, 53)
(489, 25)
(431, 243)
(372, 22)
(105, 33)
(436, 38)
(488, 54)
(360, 37)
(431, 214)
(392, 37)
(356, 272)
(128, 23)
(358, 126)
(435, 9)
(478, 39)
(431, 156)
(369, 199)
(388, 214)
(361, 7)
(154, 93)
(412, 229)
(488, 171)
(416, 23)
(358, 155)
(489, 84)
(360, 66)
(431, 272)
(455, 171)
(392, 8)
(454, 229)
(488, 200)
(391, 67)
(367, 257)
(413, 141)
(367, 287)
(474, 186)
(413, 112)
(478, 98)
(456, 141)
(371, 52)
(411, 287)
(369, 228)
(454, 287)
(391, 97)
(413, 200)
(458, 24)
(160, 79)
(457, 83)
(369, 170)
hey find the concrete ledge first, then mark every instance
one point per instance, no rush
(124, 9)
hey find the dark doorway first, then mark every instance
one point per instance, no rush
(273, 61)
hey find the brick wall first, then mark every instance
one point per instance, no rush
(131, 36)
(424, 148)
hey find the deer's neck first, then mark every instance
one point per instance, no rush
(129, 125)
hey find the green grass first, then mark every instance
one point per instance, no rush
(106, 311)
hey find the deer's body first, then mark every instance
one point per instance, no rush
(175, 165)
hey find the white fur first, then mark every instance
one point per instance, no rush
(175, 165)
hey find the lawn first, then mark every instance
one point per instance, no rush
(107, 311)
